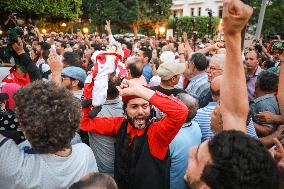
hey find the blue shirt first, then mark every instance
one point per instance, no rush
(204, 121)
(188, 136)
(265, 103)
(199, 88)
(147, 72)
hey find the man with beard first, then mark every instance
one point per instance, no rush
(231, 159)
(60, 46)
(73, 78)
(141, 150)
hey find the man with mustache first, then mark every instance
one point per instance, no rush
(141, 149)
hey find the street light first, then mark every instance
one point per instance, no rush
(63, 24)
(85, 30)
(162, 30)
(43, 31)
(1, 32)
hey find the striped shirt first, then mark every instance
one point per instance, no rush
(203, 119)
(199, 88)
(103, 146)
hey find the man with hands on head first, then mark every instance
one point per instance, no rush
(141, 151)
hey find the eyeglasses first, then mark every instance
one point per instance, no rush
(213, 68)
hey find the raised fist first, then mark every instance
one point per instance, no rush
(236, 15)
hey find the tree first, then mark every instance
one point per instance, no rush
(128, 13)
(184, 24)
(67, 9)
(100, 11)
(273, 20)
(150, 12)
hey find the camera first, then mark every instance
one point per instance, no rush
(13, 16)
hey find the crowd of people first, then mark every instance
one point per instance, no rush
(90, 111)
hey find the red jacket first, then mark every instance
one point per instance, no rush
(160, 134)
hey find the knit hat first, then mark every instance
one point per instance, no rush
(75, 73)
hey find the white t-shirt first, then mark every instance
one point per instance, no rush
(19, 170)
(155, 81)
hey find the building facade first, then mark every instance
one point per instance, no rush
(197, 8)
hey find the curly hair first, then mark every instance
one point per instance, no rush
(239, 162)
(48, 115)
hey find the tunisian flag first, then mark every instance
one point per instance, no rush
(96, 83)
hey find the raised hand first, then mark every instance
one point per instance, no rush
(54, 63)
(19, 46)
(181, 48)
(131, 87)
(233, 93)
(235, 16)
(184, 37)
(107, 27)
(127, 87)
(278, 153)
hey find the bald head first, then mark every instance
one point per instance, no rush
(215, 87)
(134, 67)
(132, 60)
(191, 103)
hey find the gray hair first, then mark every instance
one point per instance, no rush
(219, 59)
(191, 103)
